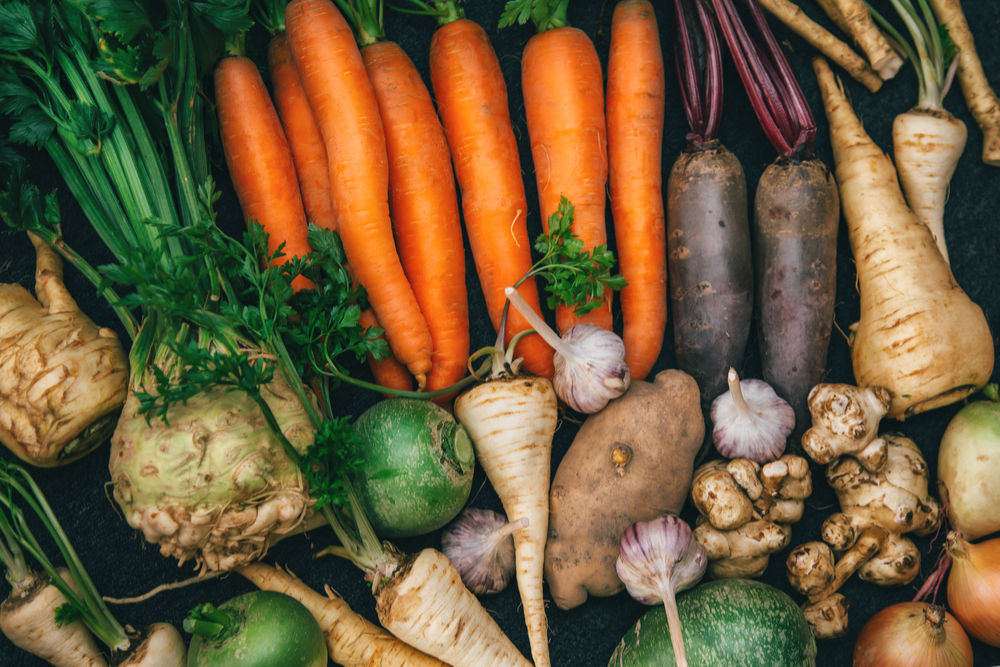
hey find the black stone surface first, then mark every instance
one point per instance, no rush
(122, 564)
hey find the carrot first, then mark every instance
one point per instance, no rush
(422, 198)
(919, 335)
(388, 372)
(472, 100)
(304, 139)
(346, 111)
(259, 160)
(512, 421)
(564, 104)
(352, 641)
(28, 618)
(635, 137)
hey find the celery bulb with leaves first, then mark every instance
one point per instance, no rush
(62, 377)
(111, 91)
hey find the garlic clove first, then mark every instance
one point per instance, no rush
(480, 544)
(590, 368)
(751, 421)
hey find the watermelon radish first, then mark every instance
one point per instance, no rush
(417, 467)
(725, 622)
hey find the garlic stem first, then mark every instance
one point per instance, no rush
(737, 391)
(674, 624)
(537, 323)
(511, 528)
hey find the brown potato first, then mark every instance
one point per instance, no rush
(631, 462)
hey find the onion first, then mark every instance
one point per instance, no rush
(914, 634)
(974, 586)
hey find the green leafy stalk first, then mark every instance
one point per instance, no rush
(445, 11)
(545, 14)
(365, 17)
(88, 606)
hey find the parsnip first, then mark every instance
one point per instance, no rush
(881, 56)
(62, 378)
(920, 336)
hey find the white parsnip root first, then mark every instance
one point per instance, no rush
(920, 336)
(824, 42)
(982, 101)
(858, 19)
(161, 645)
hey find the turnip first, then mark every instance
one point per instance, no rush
(258, 629)
(920, 337)
(927, 140)
(57, 614)
(969, 467)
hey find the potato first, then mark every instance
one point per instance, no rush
(631, 462)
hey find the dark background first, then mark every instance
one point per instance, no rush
(122, 564)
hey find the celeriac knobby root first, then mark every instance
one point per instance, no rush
(27, 617)
(927, 144)
(159, 645)
(427, 606)
(919, 336)
(823, 41)
(982, 101)
(351, 640)
(512, 422)
(867, 35)
(61, 376)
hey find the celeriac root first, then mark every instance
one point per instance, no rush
(867, 35)
(982, 101)
(28, 619)
(512, 422)
(823, 41)
(427, 606)
(351, 640)
(160, 646)
(927, 144)
(61, 377)
(920, 336)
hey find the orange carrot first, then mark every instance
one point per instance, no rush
(258, 157)
(635, 138)
(472, 101)
(424, 207)
(388, 372)
(302, 132)
(564, 104)
(344, 105)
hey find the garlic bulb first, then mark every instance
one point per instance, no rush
(751, 421)
(589, 361)
(658, 559)
(480, 544)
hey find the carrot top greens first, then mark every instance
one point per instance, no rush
(545, 14)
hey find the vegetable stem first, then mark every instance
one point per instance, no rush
(536, 321)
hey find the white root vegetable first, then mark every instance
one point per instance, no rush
(982, 101)
(28, 618)
(920, 336)
(869, 38)
(161, 645)
(62, 378)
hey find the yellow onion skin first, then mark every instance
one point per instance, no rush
(974, 587)
(913, 634)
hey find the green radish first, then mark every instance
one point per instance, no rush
(416, 471)
(259, 629)
(725, 622)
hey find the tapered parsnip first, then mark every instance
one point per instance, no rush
(833, 11)
(822, 40)
(429, 607)
(28, 618)
(982, 101)
(919, 335)
(161, 646)
(512, 421)
(351, 640)
(867, 35)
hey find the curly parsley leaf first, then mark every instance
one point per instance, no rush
(331, 458)
(66, 613)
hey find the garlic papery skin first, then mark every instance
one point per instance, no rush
(590, 368)
(750, 421)
(658, 559)
(480, 544)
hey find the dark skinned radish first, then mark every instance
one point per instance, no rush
(796, 215)
(708, 236)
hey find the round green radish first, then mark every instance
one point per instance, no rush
(417, 464)
(725, 622)
(259, 629)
